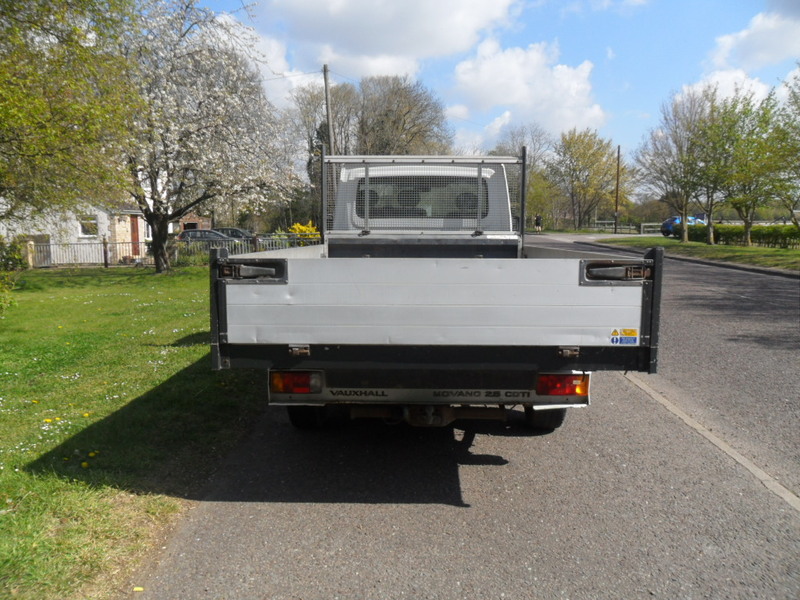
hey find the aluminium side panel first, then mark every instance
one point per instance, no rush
(435, 302)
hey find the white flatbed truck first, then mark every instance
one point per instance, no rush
(423, 305)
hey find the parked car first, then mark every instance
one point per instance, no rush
(237, 233)
(668, 227)
(202, 235)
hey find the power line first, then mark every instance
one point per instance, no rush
(284, 76)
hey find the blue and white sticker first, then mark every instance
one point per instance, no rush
(625, 337)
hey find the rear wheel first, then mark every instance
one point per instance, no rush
(545, 420)
(306, 417)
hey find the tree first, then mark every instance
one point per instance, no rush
(755, 146)
(537, 143)
(308, 120)
(545, 198)
(789, 155)
(667, 160)
(207, 129)
(383, 115)
(308, 116)
(399, 116)
(711, 159)
(584, 168)
(64, 105)
(532, 136)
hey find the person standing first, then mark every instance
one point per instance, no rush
(537, 223)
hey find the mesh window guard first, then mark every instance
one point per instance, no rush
(421, 193)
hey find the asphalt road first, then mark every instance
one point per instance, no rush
(627, 500)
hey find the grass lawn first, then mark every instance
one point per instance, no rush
(109, 415)
(777, 258)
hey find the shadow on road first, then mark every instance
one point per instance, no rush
(209, 436)
(352, 462)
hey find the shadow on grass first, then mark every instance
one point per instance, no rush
(165, 441)
(207, 435)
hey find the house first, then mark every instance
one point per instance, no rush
(193, 221)
(93, 235)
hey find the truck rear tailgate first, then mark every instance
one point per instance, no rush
(427, 301)
(270, 310)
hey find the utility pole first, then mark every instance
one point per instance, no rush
(328, 110)
(616, 194)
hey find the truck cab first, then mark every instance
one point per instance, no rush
(422, 207)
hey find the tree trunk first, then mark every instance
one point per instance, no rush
(160, 227)
(684, 225)
(709, 228)
(748, 226)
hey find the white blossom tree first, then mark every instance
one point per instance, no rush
(207, 129)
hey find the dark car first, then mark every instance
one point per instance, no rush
(202, 235)
(235, 232)
(669, 228)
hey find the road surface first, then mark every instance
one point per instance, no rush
(678, 485)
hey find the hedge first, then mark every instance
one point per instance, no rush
(766, 236)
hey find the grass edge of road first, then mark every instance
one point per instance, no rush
(109, 412)
(770, 258)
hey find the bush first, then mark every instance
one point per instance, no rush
(765, 236)
(306, 234)
(11, 261)
(776, 236)
(11, 258)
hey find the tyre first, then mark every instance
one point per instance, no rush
(306, 417)
(545, 420)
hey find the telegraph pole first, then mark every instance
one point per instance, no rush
(328, 109)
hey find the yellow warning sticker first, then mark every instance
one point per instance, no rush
(625, 337)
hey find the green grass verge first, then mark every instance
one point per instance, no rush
(776, 258)
(109, 415)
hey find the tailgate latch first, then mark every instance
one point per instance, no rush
(299, 350)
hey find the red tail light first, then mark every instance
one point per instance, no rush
(295, 382)
(563, 385)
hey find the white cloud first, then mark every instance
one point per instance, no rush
(770, 39)
(408, 31)
(530, 84)
(457, 111)
(495, 127)
(368, 65)
(730, 81)
(279, 78)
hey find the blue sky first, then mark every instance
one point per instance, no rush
(607, 65)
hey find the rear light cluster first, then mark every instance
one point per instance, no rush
(295, 382)
(563, 385)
